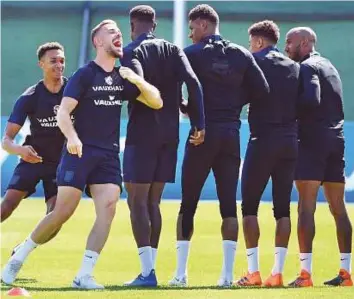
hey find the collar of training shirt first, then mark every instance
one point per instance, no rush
(212, 38)
(145, 36)
(314, 53)
(265, 51)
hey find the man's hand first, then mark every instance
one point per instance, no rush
(197, 138)
(129, 75)
(74, 146)
(29, 155)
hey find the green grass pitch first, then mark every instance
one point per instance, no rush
(49, 271)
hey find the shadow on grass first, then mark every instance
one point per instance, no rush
(117, 288)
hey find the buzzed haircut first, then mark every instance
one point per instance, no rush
(42, 49)
(204, 12)
(309, 32)
(267, 29)
(143, 13)
(98, 27)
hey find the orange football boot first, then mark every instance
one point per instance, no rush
(303, 281)
(343, 279)
(274, 281)
(250, 280)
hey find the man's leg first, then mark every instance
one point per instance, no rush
(10, 202)
(154, 200)
(282, 179)
(139, 164)
(67, 201)
(22, 184)
(50, 192)
(138, 196)
(165, 172)
(308, 191)
(334, 183)
(226, 171)
(50, 207)
(309, 173)
(334, 193)
(195, 170)
(256, 171)
(105, 197)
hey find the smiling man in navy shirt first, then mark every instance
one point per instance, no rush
(150, 157)
(94, 95)
(228, 73)
(321, 152)
(271, 151)
(40, 153)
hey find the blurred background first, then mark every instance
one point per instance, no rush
(27, 24)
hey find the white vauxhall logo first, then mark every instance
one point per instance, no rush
(109, 80)
(112, 98)
(55, 109)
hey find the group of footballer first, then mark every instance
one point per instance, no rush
(296, 134)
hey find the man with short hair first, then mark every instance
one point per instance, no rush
(41, 150)
(321, 153)
(90, 159)
(271, 151)
(150, 154)
(228, 73)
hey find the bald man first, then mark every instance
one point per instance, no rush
(321, 152)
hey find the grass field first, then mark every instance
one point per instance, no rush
(49, 271)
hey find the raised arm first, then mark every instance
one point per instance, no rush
(149, 94)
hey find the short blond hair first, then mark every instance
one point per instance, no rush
(97, 28)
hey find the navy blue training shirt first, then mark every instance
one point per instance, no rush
(166, 67)
(41, 106)
(276, 112)
(228, 74)
(100, 95)
(321, 101)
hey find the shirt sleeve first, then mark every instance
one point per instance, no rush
(131, 91)
(195, 91)
(310, 88)
(77, 84)
(255, 82)
(24, 106)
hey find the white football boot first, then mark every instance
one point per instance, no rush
(178, 282)
(86, 282)
(10, 271)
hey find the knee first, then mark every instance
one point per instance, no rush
(6, 210)
(8, 206)
(305, 208)
(281, 212)
(186, 213)
(228, 210)
(248, 209)
(339, 214)
(138, 207)
(154, 206)
(188, 209)
(50, 206)
(109, 209)
(61, 214)
(187, 224)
